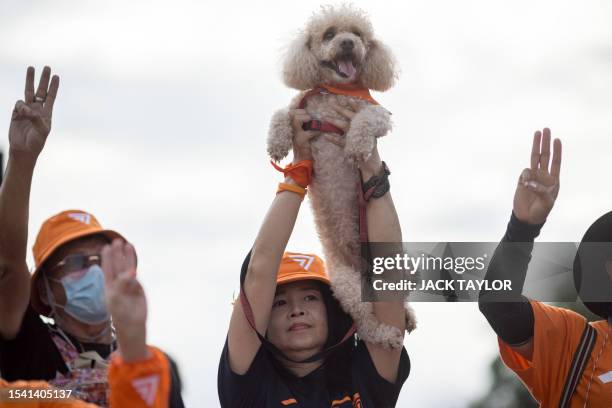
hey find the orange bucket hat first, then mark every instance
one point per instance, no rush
(56, 231)
(296, 266)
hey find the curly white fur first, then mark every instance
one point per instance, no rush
(333, 192)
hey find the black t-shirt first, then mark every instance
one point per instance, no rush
(32, 355)
(263, 386)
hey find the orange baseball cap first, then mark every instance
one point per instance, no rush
(295, 266)
(56, 231)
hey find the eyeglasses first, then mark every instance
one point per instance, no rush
(76, 262)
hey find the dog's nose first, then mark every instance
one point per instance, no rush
(347, 45)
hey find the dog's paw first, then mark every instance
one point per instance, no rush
(377, 120)
(278, 152)
(280, 135)
(395, 339)
(411, 320)
(385, 335)
(358, 149)
(357, 158)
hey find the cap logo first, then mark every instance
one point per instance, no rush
(81, 217)
(304, 260)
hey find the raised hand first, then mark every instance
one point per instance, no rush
(343, 123)
(538, 186)
(371, 165)
(31, 118)
(301, 137)
(125, 298)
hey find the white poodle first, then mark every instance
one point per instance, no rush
(337, 51)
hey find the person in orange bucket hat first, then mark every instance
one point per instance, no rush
(138, 374)
(289, 342)
(60, 230)
(72, 349)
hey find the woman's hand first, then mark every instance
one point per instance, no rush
(372, 165)
(538, 186)
(301, 137)
(31, 118)
(126, 299)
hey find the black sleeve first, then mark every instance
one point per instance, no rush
(31, 355)
(242, 390)
(509, 313)
(245, 267)
(368, 382)
(176, 387)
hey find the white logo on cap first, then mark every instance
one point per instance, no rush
(81, 217)
(304, 260)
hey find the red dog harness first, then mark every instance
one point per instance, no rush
(354, 91)
(341, 89)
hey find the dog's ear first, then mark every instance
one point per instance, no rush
(379, 70)
(300, 68)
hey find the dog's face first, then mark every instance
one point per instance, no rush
(338, 47)
(341, 51)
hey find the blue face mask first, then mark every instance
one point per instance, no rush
(85, 298)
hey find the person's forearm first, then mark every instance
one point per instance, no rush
(274, 234)
(383, 226)
(14, 208)
(512, 256)
(382, 220)
(14, 276)
(510, 314)
(132, 344)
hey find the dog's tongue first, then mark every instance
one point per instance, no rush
(347, 68)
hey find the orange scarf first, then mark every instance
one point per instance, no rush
(353, 90)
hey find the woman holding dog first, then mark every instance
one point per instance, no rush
(285, 341)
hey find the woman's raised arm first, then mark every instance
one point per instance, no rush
(260, 281)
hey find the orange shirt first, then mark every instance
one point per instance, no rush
(139, 384)
(557, 333)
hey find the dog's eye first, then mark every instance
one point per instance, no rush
(357, 33)
(329, 34)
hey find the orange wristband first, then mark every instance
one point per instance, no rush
(300, 172)
(291, 187)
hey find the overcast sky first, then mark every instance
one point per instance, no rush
(160, 129)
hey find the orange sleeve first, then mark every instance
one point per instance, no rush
(143, 384)
(557, 333)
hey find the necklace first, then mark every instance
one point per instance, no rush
(74, 342)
